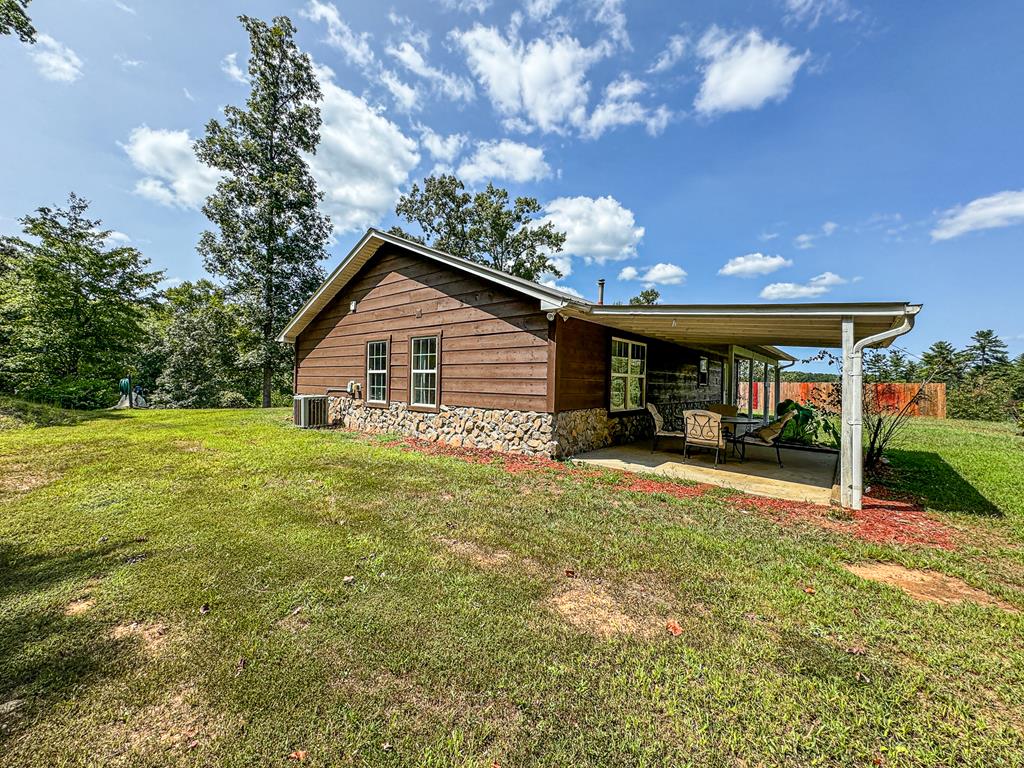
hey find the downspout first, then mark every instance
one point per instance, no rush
(857, 404)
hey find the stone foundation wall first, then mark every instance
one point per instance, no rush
(592, 428)
(535, 434)
(494, 429)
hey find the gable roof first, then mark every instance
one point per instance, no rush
(366, 249)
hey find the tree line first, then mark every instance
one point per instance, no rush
(78, 311)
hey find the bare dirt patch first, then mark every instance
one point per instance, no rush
(482, 557)
(294, 622)
(151, 634)
(79, 605)
(21, 478)
(189, 446)
(591, 608)
(928, 586)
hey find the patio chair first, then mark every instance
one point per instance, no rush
(725, 410)
(659, 428)
(704, 429)
(767, 436)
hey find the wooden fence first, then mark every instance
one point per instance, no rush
(892, 395)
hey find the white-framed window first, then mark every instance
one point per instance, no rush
(377, 372)
(629, 375)
(423, 353)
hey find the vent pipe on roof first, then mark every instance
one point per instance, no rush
(600, 291)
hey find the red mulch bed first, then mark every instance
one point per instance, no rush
(890, 520)
(887, 517)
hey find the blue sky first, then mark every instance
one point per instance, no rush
(784, 150)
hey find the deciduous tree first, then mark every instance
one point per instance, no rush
(270, 235)
(14, 20)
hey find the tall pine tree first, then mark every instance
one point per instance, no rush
(270, 236)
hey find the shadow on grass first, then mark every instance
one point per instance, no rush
(46, 655)
(926, 475)
(25, 414)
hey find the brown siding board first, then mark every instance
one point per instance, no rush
(494, 350)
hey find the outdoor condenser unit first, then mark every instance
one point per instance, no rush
(309, 411)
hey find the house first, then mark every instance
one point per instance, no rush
(407, 339)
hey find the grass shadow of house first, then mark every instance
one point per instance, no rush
(927, 475)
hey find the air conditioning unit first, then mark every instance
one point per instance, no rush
(309, 411)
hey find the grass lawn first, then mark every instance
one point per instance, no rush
(218, 588)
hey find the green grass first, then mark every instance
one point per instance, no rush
(429, 658)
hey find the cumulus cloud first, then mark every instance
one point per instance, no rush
(743, 71)
(229, 66)
(454, 87)
(444, 149)
(406, 97)
(620, 107)
(816, 286)
(1002, 209)
(659, 274)
(551, 283)
(753, 264)
(610, 14)
(540, 9)
(504, 159)
(362, 161)
(597, 230)
(670, 56)
(355, 47)
(173, 176)
(55, 61)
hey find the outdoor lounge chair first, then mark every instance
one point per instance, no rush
(767, 436)
(659, 428)
(704, 429)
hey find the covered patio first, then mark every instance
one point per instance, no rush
(748, 338)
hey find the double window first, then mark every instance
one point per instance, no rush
(377, 372)
(424, 354)
(629, 375)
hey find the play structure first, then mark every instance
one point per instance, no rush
(130, 397)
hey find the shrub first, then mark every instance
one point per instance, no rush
(233, 400)
(81, 393)
(982, 397)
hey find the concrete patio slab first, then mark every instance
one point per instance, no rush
(805, 476)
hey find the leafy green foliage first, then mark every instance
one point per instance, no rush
(812, 425)
(270, 235)
(646, 296)
(942, 362)
(985, 397)
(71, 310)
(890, 365)
(483, 227)
(14, 20)
(986, 351)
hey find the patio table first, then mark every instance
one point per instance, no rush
(737, 422)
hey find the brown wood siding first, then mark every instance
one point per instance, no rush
(494, 342)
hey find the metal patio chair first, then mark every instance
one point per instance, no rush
(704, 429)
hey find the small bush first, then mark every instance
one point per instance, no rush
(81, 394)
(233, 400)
(984, 398)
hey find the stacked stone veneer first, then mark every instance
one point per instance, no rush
(536, 434)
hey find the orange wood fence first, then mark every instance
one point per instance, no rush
(893, 395)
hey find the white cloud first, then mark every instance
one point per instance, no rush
(362, 161)
(454, 87)
(355, 47)
(659, 274)
(127, 63)
(540, 9)
(173, 174)
(406, 97)
(753, 264)
(764, 237)
(609, 13)
(743, 71)
(674, 51)
(504, 159)
(466, 6)
(816, 286)
(55, 61)
(620, 107)
(807, 239)
(124, 7)
(188, 94)
(550, 283)
(812, 12)
(443, 149)
(229, 66)
(540, 84)
(597, 230)
(1002, 209)
(118, 237)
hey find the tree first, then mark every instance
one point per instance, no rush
(72, 309)
(943, 362)
(646, 296)
(13, 19)
(199, 349)
(987, 351)
(271, 236)
(891, 365)
(483, 227)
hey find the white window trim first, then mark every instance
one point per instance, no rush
(436, 370)
(386, 371)
(627, 376)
